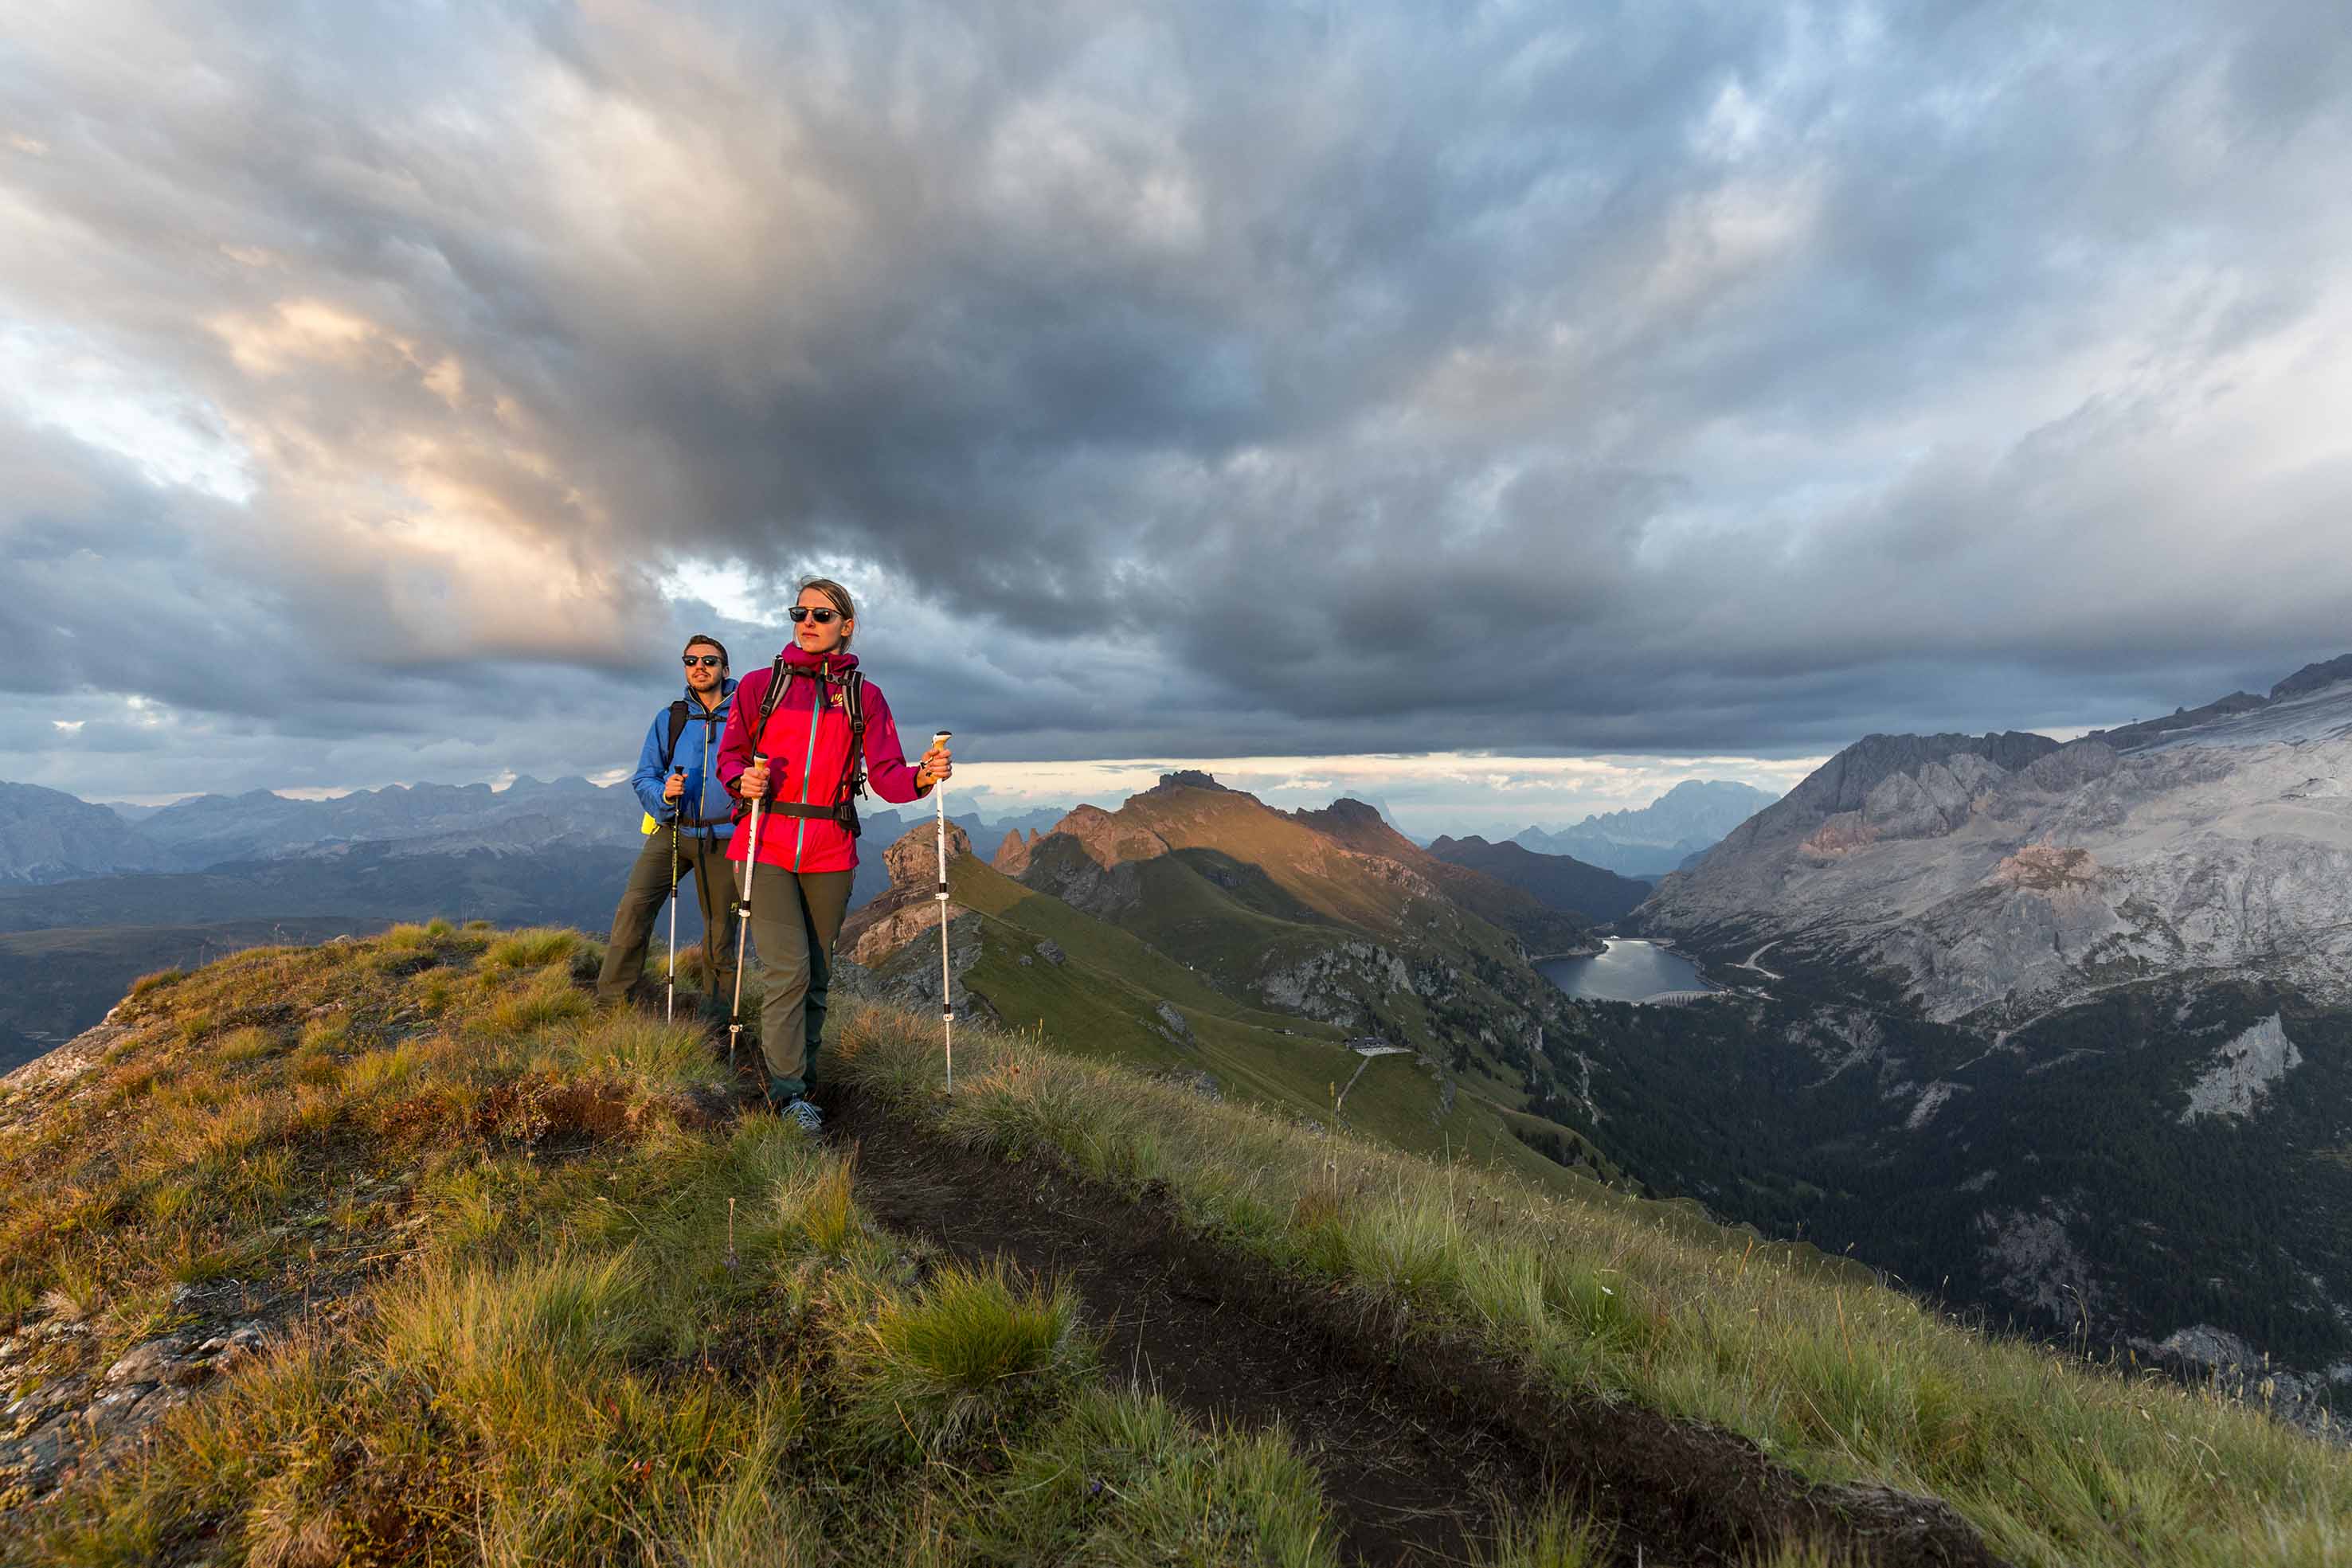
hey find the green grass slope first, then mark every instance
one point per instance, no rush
(2055, 1462)
(1102, 999)
(1272, 910)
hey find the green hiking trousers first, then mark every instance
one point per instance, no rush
(795, 915)
(703, 859)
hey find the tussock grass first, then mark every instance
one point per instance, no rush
(551, 999)
(531, 948)
(649, 1055)
(1119, 1480)
(1558, 1537)
(2057, 1463)
(974, 1350)
(464, 1327)
(680, 1344)
(144, 987)
(242, 1045)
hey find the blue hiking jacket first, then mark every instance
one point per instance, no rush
(710, 813)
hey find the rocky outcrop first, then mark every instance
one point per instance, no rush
(1013, 855)
(2241, 1080)
(1189, 778)
(78, 1420)
(1334, 984)
(910, 906)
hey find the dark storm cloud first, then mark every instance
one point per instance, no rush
(1214, 380)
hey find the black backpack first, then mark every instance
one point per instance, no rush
(681, 714)
(852, 788)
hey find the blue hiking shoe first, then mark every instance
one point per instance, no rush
(803, 1115)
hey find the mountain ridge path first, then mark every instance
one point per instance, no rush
(1424, 1448)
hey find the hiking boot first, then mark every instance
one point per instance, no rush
(803, 1115)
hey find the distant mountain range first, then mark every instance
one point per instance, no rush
(1687, 820)
(2067, 1026)
(46, 835)
(92, 896)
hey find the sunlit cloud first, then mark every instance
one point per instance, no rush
(1504, 417)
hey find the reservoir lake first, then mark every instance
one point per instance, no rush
(1629, 970)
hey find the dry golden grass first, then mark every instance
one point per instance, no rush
(573, 1360)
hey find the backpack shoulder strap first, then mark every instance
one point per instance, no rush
(678, 712)
(853, 699)
(777, 678)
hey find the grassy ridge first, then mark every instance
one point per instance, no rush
(597, 1322)
(2054, 1462)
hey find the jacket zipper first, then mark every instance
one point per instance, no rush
(808, 765)
(702, 792)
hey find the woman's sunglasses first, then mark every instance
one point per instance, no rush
(707, 661)
(800, 612)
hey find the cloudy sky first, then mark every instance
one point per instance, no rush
(1621, 393)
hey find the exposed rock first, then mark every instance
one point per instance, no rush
(871, 941)
(2007, 872)
(1093, 870)
(60, 1068)
(154, 1362)
(913, 859)
(1051, 951)
(1931, 1100)
(2218, 1358)
(2240, 1079)
(1013, 855)
(912, 976)
(910, 906)
(2036, 1263)
(1173, 1026)
(1189, 778)
(72, 1420)
(2047, 867)
(1328, 984)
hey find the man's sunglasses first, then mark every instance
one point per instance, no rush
(800, 612)
(707, 661)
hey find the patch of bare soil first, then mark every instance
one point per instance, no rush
(1421, 1440)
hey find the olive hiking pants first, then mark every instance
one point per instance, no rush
(795, 915)
(703, 859)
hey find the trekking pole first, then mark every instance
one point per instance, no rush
(669, 998)
(743, 916)
(947, 998)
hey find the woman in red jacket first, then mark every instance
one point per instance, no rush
(817, 726)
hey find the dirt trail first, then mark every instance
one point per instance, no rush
(1406, 1485)
(1415, 1451)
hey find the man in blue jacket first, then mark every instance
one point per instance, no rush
(689, 817)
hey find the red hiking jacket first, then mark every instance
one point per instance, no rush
(808, 749)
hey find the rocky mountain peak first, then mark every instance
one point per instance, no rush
(1108, 838)
(1012, 856)
(1188, 778)
(2314, 677)
(915, 857)
(2009, 875)
(1946, 769)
